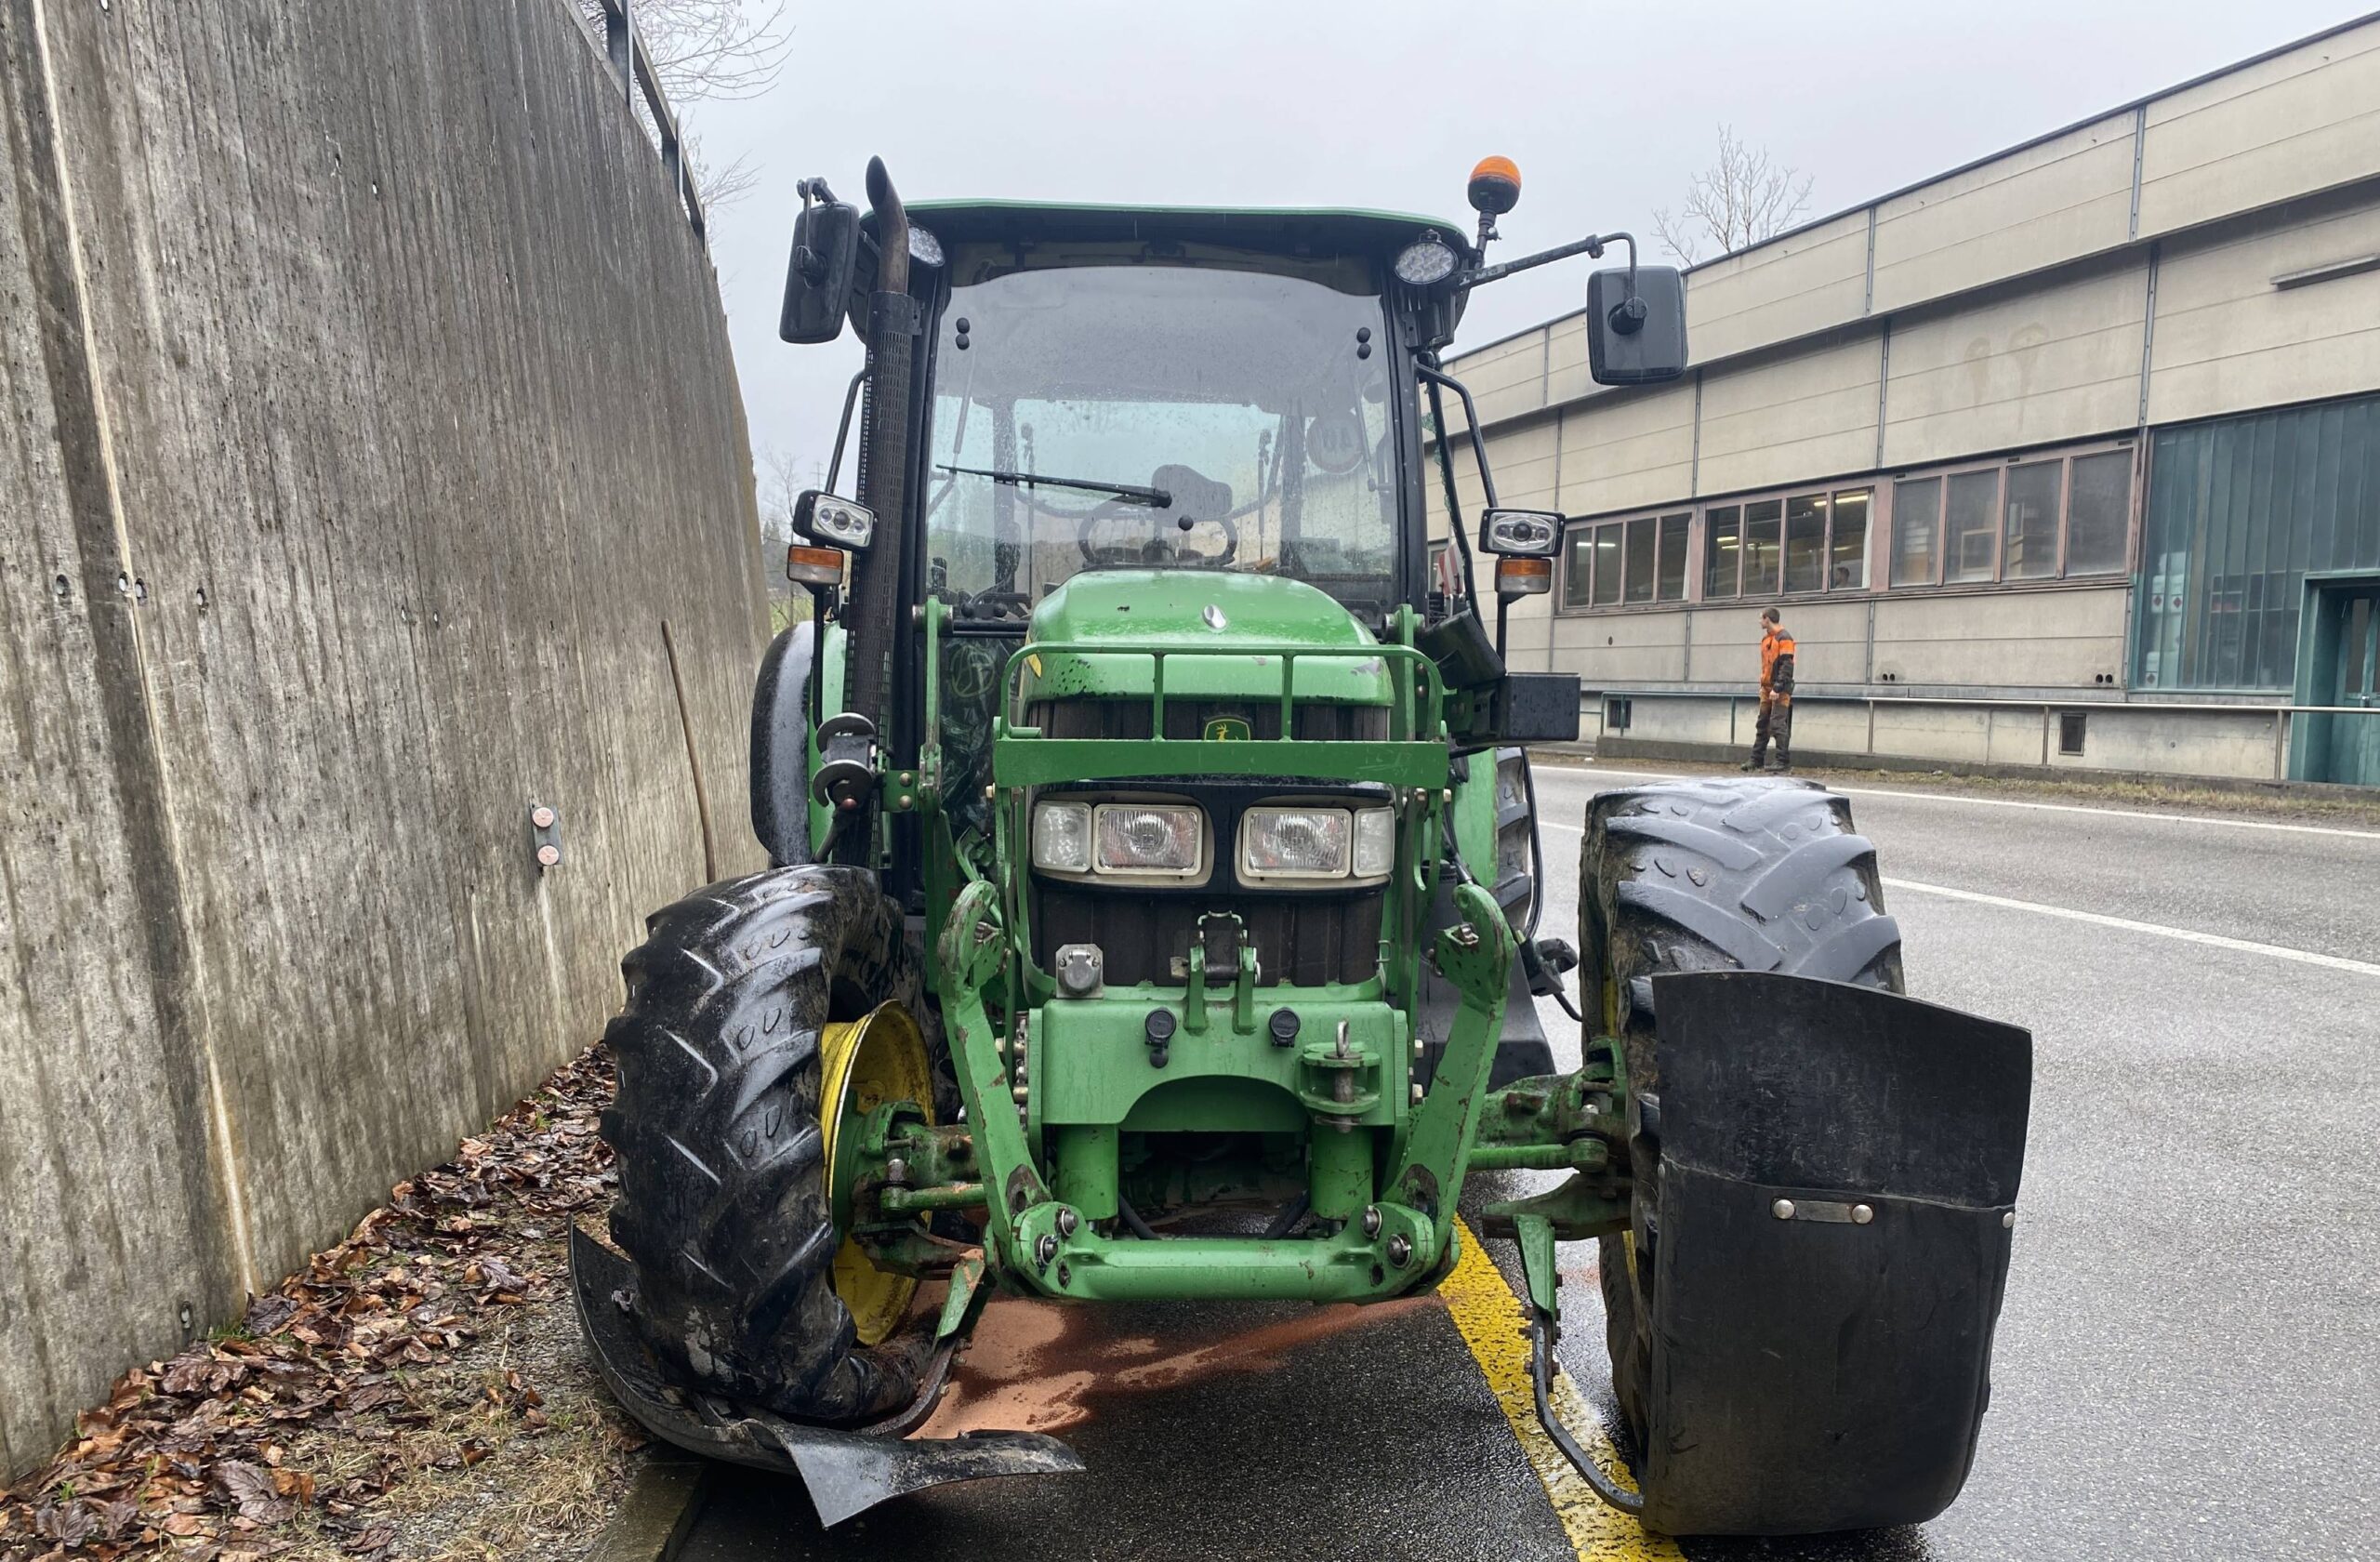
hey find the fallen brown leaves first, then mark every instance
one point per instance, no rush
(294, 1433)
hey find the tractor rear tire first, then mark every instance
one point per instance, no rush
(723, 1204)
(1710, 874)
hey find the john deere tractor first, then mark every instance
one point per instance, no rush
(1153, 912)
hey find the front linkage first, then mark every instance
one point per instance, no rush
(1039, 1242)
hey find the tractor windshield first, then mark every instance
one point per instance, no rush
(1123, 406)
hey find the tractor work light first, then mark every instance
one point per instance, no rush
(837, 522)
(1532, 531)
(1120, 839)
(1062, 836)
(1316, 845)
(1425, 262)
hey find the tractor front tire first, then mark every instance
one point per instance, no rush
(1714, 875)
(723, 1205)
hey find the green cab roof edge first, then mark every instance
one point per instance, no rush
(1380, 232)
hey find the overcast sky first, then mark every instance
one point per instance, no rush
(1607, 109)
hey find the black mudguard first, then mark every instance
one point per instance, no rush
(1838, 1171)
(780, 780)
(847, 1471)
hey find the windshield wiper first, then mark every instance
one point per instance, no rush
(1155, 498)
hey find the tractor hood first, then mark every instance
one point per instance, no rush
(1215, 614)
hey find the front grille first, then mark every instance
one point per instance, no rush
(1318, 721)
(1302, 937)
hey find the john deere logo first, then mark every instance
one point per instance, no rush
(1226, 729)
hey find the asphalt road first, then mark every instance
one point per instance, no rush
(2187, 1364)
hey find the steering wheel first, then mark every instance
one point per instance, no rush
(1156, 550)
(989, 606)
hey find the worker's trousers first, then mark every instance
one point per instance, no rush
(1776, 721)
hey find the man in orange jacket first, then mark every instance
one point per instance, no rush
(1776, 695)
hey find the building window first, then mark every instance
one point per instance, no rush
(2033, 519)
(1917, 521)
(1639, 561)
(1631, 563)
(1971, 534)
(2240, 511)
(1805, 542)
(1761, 547)
(1673, 564)
(1847, 553)
(1723, 530)
(2099, 512)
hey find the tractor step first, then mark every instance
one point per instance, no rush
(847, 1470)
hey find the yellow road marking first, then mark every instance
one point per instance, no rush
(1496, 1328)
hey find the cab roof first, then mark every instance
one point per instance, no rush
(1290, 230)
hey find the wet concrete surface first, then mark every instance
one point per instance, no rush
(2186, 1363)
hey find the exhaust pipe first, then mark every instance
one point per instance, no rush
(849, 743)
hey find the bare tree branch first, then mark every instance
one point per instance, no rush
(1739, 200)
(704, 50)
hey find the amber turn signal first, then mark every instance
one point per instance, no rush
(814, 567)
(1524, 577)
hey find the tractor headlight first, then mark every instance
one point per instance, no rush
(1148, 837)
(1126, 839)
(1313, 844)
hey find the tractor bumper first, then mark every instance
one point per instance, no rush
(847, 1470)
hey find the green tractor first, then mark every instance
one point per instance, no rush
(1154, 906)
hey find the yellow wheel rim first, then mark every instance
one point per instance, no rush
(862, 1065)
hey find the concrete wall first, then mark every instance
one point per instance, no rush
(370, 441)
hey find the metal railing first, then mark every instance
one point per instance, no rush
(632, 64)
(2282, 716)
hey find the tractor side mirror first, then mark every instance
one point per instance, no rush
(818, 277)
(1637, 326)
(837, 522)
(1529, 533)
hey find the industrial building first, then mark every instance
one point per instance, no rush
(2069, 457)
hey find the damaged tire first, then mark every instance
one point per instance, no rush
(723, 1205)
(1717, 875)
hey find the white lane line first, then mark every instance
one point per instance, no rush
(2188, 935)
(2012, 803)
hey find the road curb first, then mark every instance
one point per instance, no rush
(658, 1514)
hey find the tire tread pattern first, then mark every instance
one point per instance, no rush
(722, 1204)
(1704, 875)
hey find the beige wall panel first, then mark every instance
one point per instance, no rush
(1830, 638)
(2034, 208)
(1779, 291)
(1829, 726)
(1505, 380)
(2227, 341)
(1623, 451)
(2193, 743)
(2056, 639)
(1792, 419)
(2015, 736)
(1613, 650)
(1685, 720)
(1565, 361)
(1524, 459)
(1934, 732)
(2306, 121)
(2050, 364)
